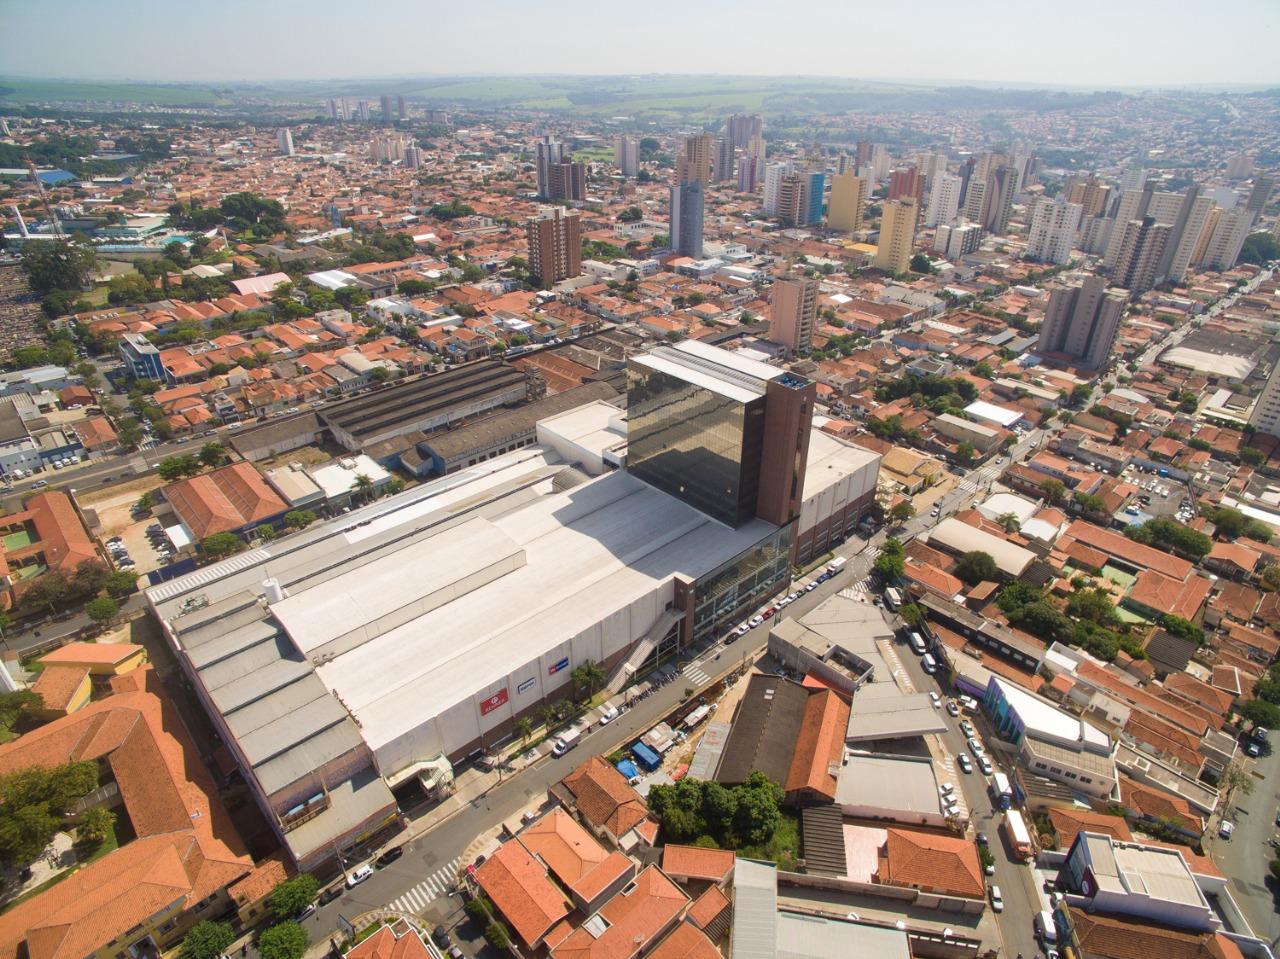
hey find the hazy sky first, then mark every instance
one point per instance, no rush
(1082, 42)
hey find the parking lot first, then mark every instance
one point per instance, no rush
(117, 522)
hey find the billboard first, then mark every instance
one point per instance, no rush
(493, 702)
(526, 685)
(556, 667)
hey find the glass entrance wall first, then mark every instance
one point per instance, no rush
(728, 594)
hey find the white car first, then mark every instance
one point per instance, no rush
(975, 747)
(608, 715)
(997, 900)
(985, 765)
(357, 876)
(953, 708)
(1225, 829)
(755, 621)
(936, 700)
(963, 762)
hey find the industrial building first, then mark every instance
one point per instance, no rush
(333, 675)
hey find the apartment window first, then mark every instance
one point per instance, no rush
(1085, 779)
(1040, 766)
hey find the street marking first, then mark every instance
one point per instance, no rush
(419, 896)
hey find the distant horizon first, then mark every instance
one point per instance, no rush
(1094, 44)
(923, 82)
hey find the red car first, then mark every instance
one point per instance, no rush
(767, 613)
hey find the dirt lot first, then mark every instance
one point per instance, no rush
(113, 505)
(305, 455)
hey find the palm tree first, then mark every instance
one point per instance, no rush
(593, 675)
(364, 488)
(548, 713)
(524, 728)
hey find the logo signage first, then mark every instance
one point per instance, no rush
(525, 686)
(556, 667)
(493, 702)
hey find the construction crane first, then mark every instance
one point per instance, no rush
(44, 200)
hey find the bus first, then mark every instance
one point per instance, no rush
(1001, 789)
(893, 598)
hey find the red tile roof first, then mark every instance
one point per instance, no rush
(694, 862)
(929, 861)
(224, 500)
(518, 886)
(819, 744)
(635, 918)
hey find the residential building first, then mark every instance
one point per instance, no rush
(906, 182)
(1082, 322)
(748, 173)
(1053, 230)
(1188, 224)
(695, 160)
(955, 240)
(1265, 417)
(686, 218)
(385, 102)
(722, 165)
(1227, 238)
(1002, 185)
(549, 153)
(944, 198)
(1142, 244)
(800, 196)
(284, 141)
(1090, 192)
(773, 177)
(1260, 193)
(794, 303)
(232, 499)
(848, 201)
(626, 155)
(567, 181)
(741, 129)
(897, 236)
(555, 244)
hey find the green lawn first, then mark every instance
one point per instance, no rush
(19, 539)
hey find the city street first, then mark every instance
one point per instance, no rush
(1246, 856)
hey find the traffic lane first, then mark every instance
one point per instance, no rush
(1245, 857)
(1017, 885)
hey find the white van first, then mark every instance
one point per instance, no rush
(566, 741)
(917, 643)
(929, 664)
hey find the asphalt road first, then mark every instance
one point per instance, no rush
(1016, 880)
(1246, 856)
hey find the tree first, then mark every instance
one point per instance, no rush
(1235, 779)
(212, 454)
(33, 802)
(284, 940)
(206, 940)
(395, 485)
(901, 512)
(1010, 522)
(631, 214)
(13, 706)
(96, 825)
(1182, 628)
(176, 467)
(249, 211)
(589, 674)
(912, 615)
(1092, 604)
(477, 910)
(299, 518)
(976, 566)
(965, 453)
(1081, 394)
(1053, 491)
(1259, 712)
(58, 265)
(1270, 577)
(1089, 503)
(363, 487)
(292, 896)
(1252, 456)
(889, 564)
(89, 578)
(49, 592)
(524, 729)
(1259, 249)
(121, 583)
(920, 264)
(496, 935)
(146, 502)
(221, 545)
(102, 610)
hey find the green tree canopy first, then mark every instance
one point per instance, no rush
(299, 518)
(293, 895)
(33, 802)
(976, 566)
(206, 940)
(58, 265)
(249, 211)
(284, 940)
(221, 545)
(103, 609)
(744, 815)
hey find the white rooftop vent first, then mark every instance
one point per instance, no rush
(273, 591)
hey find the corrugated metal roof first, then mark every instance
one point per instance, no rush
(755, 910)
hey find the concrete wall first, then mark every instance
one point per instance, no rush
(462, 728)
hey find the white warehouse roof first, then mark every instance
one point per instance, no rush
(993, 414)
(958, 537)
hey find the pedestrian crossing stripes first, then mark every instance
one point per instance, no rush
(858, 589)
(416, 898)
(697, 675)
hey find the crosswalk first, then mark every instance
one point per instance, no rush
(858, 590)
(416, 898)
(696, 673)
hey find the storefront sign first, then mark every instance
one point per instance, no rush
(493, 702)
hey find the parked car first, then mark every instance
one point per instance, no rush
(329, 895)
(755, 621)
(390, 856)
(608, 715)
(985, 765)
(936, 700)
(357, 876)
(743, 629)
(308, 910)
(975, 747)
(997, 900)
(1225, 829)
(963, 762)
(953, 708)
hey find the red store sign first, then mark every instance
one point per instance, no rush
(493, 702)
